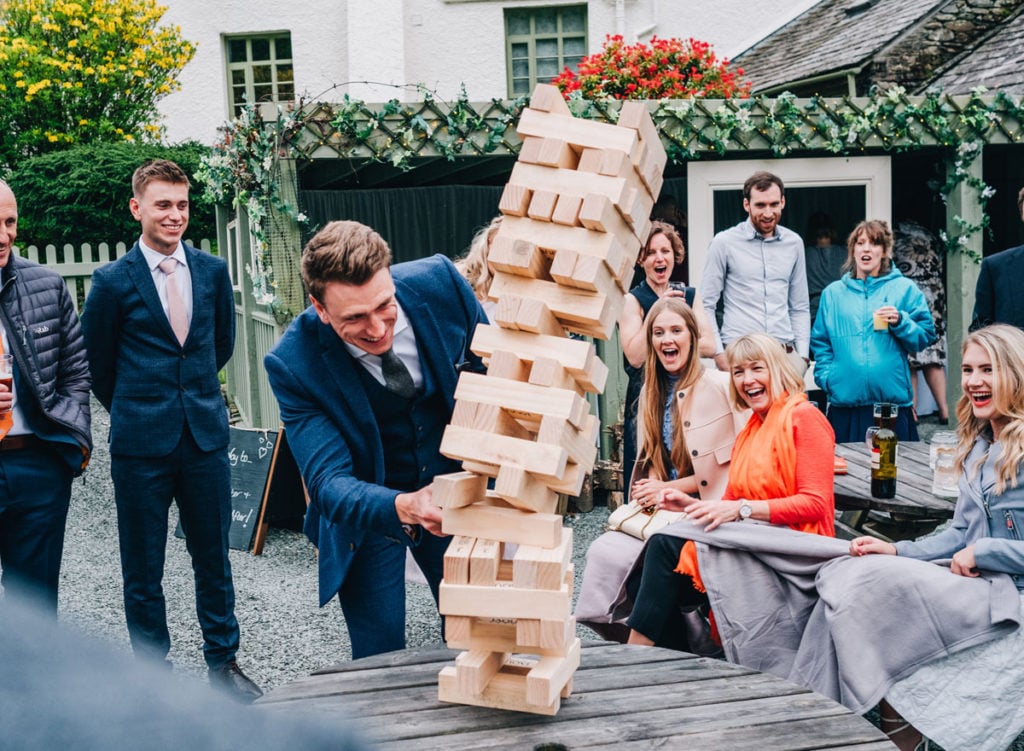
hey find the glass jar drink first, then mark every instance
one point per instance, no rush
(942, 460)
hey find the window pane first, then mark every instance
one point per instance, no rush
(547, 48)
(520, 86)
(238, 78)
(263, 93)
(285, 74)
(285, 92)
(574, 19)
(545, 21)
(518, 24)
(283, 47)
(520, 68)
(260, 49)
(574, 47)
(547, 67)
(236, 51)
(261, 74)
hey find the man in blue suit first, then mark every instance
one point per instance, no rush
(997, 297)
(159, 325)
(365, 379)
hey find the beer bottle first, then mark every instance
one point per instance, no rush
(883, 454)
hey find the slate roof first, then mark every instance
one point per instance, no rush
(826, 38)
(997, 62)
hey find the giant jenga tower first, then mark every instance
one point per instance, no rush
(575, 212)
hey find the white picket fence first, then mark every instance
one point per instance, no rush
(75, 265)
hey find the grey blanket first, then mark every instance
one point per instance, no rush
(798, 606)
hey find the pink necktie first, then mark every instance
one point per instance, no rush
(175, 305)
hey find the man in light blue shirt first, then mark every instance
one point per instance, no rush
(757, 269)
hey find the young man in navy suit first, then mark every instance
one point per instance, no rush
(997, 297)
(365, 379)
(159, 325)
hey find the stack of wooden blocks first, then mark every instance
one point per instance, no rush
(575, 212)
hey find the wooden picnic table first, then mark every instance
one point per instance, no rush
(914, 510)
(624, 697)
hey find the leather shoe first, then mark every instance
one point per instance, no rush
(230, 679)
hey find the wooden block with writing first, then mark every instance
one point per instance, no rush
(545, 681)
(522, 490)
(466, 444)
(526, 314)
(499, 635)
(515, 200)
(497, 520)
(458, 489)
(502, 601)
(516, 256)
(474, 669)
(548, 98)
(542, 568)
(506, 690)
(456, 559)
(483, 562)
(578, 357)
(582, 134)
(544, 637)
(522, 399)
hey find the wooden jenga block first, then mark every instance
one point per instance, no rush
(465, 444)
(583, 311)
(504, 601)
(515, 256)
(480, 468)
(580, 443)
(526, 314)
(600, 214)
(567, 210)
(567, 689)
(545, 681)
(483, 562)
(505, 364)
(474, 669)
(582, 134)
(546, 371)
(542, 568)
(522, 490)
(548, 98)
(458, 489)
(506, 690)
(578, 357)
(553, 237)
(651, 166)
(556, 153)
(515, 200)
(499, 635)
(503, 522)
(542, 205)
(544, 637)
(570, 482)
(456, 559)
(572, 183)
(590, 161)
(523, 400)
(586, 272)
(489, 418)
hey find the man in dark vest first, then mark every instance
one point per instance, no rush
(997, 297)
(365, 379)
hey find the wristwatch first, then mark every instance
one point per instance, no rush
(745, 510)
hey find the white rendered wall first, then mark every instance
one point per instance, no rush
(439, 44)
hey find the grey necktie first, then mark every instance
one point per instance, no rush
(397, 378)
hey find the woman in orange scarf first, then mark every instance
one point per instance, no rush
(780, 473)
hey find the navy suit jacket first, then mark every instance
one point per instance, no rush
(328, 419)
(152, 385)
(997, 298)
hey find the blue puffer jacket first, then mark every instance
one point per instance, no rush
(990, 522)
(856, 365)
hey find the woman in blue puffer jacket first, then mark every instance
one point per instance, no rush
(867, 324)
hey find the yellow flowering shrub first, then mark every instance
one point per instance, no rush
(84, 72)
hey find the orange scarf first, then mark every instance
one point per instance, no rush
(763, 466)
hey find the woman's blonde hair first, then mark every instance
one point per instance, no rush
(473, 266)
(1004, 346)
(652, 452)
(781, 375)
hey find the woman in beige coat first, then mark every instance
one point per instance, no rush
(686, 428)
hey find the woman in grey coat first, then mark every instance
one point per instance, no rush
(941, 699)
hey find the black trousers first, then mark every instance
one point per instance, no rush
(659, 594)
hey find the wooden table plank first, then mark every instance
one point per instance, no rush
(622, 695)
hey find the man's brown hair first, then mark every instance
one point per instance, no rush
(346, 252)
(762, 181)
(162, 170)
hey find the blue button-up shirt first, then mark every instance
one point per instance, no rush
(763, 285)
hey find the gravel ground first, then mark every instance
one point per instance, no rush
(284, 633)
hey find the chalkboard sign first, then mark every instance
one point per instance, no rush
(284, 498)
(251, 456)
